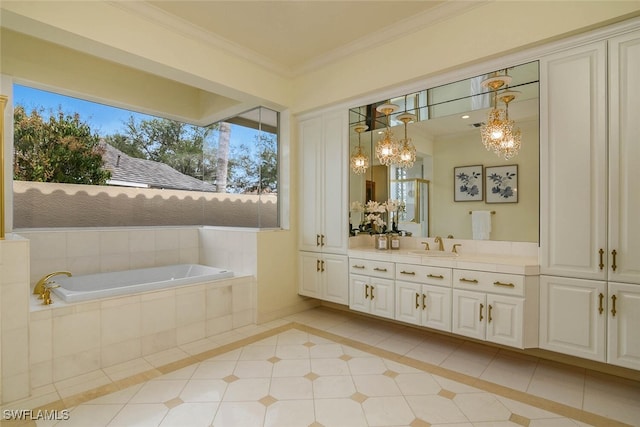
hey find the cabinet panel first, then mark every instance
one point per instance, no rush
(408, 302)
(335, 271)
(573, 162)
(309, 281)
(382, 297)
(572, 317)
(505, 316)
(436, 307)
(358, 294)
(468, 314)
(624, 338)
(624, 157)
(310, 135)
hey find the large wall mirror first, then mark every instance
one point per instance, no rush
(446, 129)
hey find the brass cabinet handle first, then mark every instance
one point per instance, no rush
(317, 265)
(468, 280)
(417, 300)
(600, 307)
(366, 291)
(359, 266)
(613, 308)
(424, 301)
(481, 308)
(601, 252)
(322, 240)
(490, 308)
(435, 276)
(322, 266)
(410, 273)
(614, 266)
(372, 293)
(506, 285)
(380, 269)
(317, 240)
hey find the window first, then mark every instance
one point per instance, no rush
(83, 164)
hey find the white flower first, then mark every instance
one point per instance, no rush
(357, 207)
(393, 205)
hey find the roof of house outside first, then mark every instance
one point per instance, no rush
(133, 172)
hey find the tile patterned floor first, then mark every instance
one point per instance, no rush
(326, 368)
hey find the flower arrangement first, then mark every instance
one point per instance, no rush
(374, 219)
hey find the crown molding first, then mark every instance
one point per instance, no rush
(391, 32)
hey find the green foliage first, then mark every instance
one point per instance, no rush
(60, 149)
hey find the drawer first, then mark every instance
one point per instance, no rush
(372, 268)
(424, 274)
(498, 283)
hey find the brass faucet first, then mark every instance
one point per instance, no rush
(41, 286)
(46, 294)
(455, 248)
(438, 240)
(426, 245)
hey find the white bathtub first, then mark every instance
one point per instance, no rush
(101, 285)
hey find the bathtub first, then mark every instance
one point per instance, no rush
(101, 285)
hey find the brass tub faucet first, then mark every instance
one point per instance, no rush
(41, 286)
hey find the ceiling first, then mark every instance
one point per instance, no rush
(294, 36)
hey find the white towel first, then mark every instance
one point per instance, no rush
(481, 224)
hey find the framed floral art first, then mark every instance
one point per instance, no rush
(467, 183)
(502, 184)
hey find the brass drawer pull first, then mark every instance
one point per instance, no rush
(490, 308)
(317, 265)
(601, 252)
(600, 307)
(317, 240)
(481, 308)
(322, 266)
(366, 291)
(384, 270)
(410, 273)
(322, 240)
(468, 280)
(417, 300)
(424, 301)
(435, 276)
(614, 266)
(613, 309)
(372, 293)
(359, 266)
(506, 285)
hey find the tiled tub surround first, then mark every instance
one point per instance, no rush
(70, 340)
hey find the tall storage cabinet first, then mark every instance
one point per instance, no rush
(590, 200)
(323, 203)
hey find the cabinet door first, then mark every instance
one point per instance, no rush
(469, 314)
(309, 280)
(624, 157)
(382, 297)
(573, 317)
(573, 162)
(436, 307)
(310, 136)
(408, 302)
(335, 155)
(624, 338)
(505, 320)
(335, 280)
(359, 293)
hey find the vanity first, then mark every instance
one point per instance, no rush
(490, 297)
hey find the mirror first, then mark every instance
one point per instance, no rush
(446, 134)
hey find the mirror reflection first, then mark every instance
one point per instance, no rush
(445, 125)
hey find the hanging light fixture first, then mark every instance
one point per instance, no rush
(498, 134)
(359, 160)
(509, 145)
(387, 147)
(407, 151)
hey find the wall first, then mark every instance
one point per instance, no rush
(515, 222)
(40, 204)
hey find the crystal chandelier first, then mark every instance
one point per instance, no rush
(359, 160)
(387, 147)
(498, 134)
(407, 151)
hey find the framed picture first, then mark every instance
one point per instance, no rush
(467, 183)
(502, 184)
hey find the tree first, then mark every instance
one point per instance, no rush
(60, 149)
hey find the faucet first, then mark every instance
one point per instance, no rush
(41, 286)
(426, 245)
(438, 240)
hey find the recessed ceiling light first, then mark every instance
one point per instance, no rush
(466, 116)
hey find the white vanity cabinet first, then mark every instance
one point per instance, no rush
(371, 287)
(590, 199)
(423, 296)
(324, 231)
(497, 307)
(323, 276)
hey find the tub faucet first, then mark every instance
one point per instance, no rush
(438, 240)
(41, 286)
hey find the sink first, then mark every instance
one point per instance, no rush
(440, 254)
